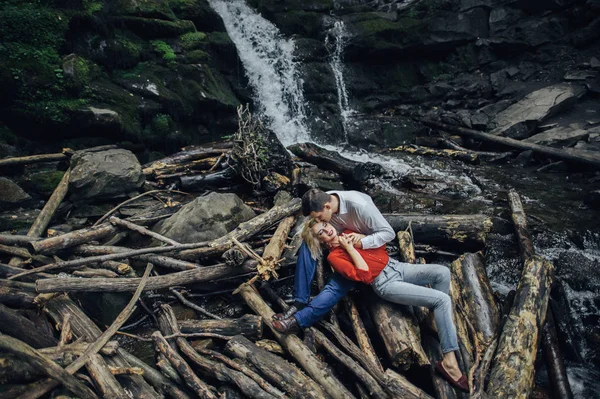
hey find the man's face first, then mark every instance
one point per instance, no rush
(324, 215)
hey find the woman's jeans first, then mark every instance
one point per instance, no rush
(402, 283)
(337, 287)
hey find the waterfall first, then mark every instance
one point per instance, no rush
(269, 64)
(336, 49)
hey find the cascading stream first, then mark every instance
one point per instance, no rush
(335, 41)
(270, 67)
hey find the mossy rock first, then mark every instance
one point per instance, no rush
(199, 12)
(79, 72)
(46, 182)
(220, 43)
(152, 28)
(158, 9)
(125, 50)
(196, 57)
(304, 23)
(193, 41)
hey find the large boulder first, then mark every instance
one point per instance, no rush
(98, 174)
(519, 120)
(206, 218)
(11, 193)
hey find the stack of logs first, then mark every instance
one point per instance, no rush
(229, 358)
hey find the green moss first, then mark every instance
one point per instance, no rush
(46, 182)
(162, 124)
(54, 110)
(192, 40)
(165, 50)
(92, 7)
(197, 57)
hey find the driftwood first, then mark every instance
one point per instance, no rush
(520, 222)
(55, 244)
(66, 154)
(276, 370)
(332, 160)
(364, 342)
(443, 390)
(83, 327)
(402, 388)
(221, 372)
(221, 178)
(155, 378)
(245, 230)
(444, 230)
(464, 156)
(31, 333)
(10, 344)
(311, 364)
(513, 365)
(472, 292)
(569, 154)
(19, 240)
(207, 273)
(248, 325)
(191, 379)
(557, 374)
(186, 156)
(17, 294)
(142, 230)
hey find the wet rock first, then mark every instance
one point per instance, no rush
(205, 218)
(592, 199)
(480, 121)
(565, 136)
(104, 174)
(595, 63)
(11, 193)
(579, 75)
(97, 119)
(518, 120)
(524, 158)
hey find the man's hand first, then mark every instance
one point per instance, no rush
(355, 239)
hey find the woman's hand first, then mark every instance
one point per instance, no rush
(355, 238)
(346, 242)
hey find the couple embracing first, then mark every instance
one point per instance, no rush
(351, 227)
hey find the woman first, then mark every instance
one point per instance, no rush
(393, 281)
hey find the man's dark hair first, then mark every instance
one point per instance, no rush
(314, 200)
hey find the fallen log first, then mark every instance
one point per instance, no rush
(473, 293)
(188, 155)
(557, 373)
(444, 230)
(47, 366)
(71, 239)
(18, 240)
(513, 366)
(200, 274)
(222, 178)
(311, 364)
(464, 156)
(520, 222)
(276, 370)
(82, 327)
(402, 388)
(221, 372)
(250, 326)
(33, 334)
(198, 386)
(443, 390)
(7, 271)
(246, 230)
(142, 230)
(185, 168)
(364, 342)
(155, 378)
(17, 294)
(332, 160)
(568, 154)
(63, 156)
(400, 333)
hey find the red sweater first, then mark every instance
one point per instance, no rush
(376, 259)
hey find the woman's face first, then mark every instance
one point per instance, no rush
(324, 232)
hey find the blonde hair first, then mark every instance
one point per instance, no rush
(311, 240)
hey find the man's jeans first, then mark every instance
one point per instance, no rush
(335, 289)
(401, 283)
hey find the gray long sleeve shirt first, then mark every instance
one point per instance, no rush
(358, 213)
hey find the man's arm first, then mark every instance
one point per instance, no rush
(382, 231)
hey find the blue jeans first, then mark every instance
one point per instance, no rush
(401, 283)
(335, 289)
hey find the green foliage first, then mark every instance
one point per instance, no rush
(165, 50)
(191, 40)
(161, 124)
(32, 24)
(197, 57)
(52, 109)
(92, 7)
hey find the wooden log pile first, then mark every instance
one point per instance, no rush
(48, 342)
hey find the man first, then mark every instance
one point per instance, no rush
(350, 210)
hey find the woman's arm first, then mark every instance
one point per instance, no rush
(357, 259)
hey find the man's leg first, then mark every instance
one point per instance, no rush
(335, 289)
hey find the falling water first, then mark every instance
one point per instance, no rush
(269, 64)
(339, 36)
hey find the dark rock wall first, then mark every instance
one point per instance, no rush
(156, 75)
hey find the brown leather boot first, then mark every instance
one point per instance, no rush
(286, 326)
(287, 314)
